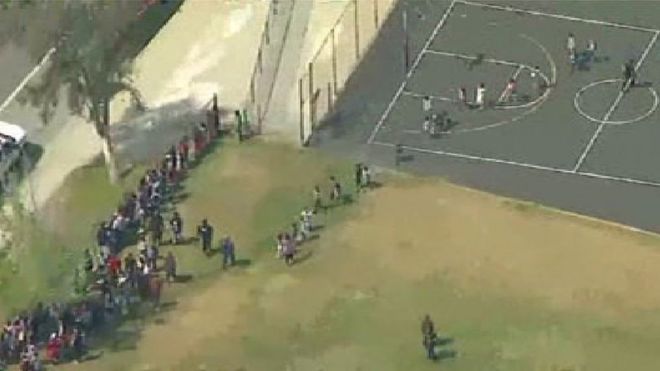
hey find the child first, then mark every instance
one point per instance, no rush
(570, 47)
(426, 126)
(462, 96)
(289, 249)
(280, 245)
(481, 96)
(509, 91)
(366, 177)
(426, 105)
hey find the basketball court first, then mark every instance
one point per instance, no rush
(568, 118)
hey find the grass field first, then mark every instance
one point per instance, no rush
(511, 286)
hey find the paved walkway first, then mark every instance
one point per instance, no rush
(209, 46)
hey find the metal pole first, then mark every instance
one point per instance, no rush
(302, 112)
(357, 31)
(334, 61)
(406, 51)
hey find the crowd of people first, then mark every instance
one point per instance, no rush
(112, 280)
(287, 242)
(111, 284)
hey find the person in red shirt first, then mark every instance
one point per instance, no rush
(114, 265)
(54, 348)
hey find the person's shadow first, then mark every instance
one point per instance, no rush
(442, 354)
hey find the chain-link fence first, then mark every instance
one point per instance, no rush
(269, 56)
(339, 53)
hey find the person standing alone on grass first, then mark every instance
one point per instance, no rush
(429, 337)
(205, 234)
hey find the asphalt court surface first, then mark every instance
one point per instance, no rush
(478, 44)
(554, 150)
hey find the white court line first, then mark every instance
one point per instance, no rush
(436, 97)
(613, 107)
(26, 79)
(473, 58)
(523, 165)
(418, 59)
(559, 16)
(514, 76)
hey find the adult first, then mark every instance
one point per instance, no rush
(629, 75)
(205, 234)
(228, 252)
(429, 337)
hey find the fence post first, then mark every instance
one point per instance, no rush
(334, 61)
(312, 101)
(357, 31)
(376, 15)
(302, 111)
(330, 98)
(259, 61)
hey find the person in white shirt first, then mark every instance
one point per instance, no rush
(537, 82)
(481, 96)
(570, 46)
(426, 105)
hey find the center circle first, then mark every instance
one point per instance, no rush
(578, 107)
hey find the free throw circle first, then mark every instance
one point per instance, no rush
(578, 107)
